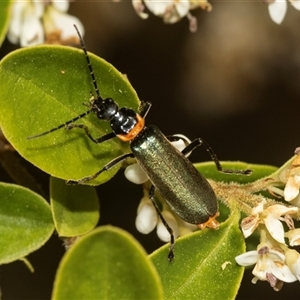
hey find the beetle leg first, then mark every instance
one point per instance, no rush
(175, 138)
(144, 109)
(199, 142)
(170, 230)
(108, 166)
(99, 140)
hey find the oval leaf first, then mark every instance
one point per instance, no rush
(75, 209)
(204, 266)
(106, 264)
(44, 86)
(25, 222)
(4, 18)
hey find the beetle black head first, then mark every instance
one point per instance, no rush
(105, 109)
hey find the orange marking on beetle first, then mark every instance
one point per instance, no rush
(134, 131)
(211, 222)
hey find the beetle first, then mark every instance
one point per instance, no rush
(186, 191)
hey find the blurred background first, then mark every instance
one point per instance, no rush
(235, 83)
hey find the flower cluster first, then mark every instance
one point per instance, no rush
(274, 261)
(278, 8)
(291, 177)
(171, 11)
(272, 264)
(35, 22)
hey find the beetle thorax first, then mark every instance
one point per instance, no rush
(123, 121)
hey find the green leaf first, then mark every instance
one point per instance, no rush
(209, 170)
(25, 222)
(75, 209)
(106, 264)
(4, 18)
(204, 265)
(44, 86)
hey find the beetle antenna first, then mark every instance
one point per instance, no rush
(89, 63)
(60, 126)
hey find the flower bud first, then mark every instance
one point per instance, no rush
(146, 218)
(135, 174)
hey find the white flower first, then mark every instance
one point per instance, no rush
(278, 8)
(291, 190)
(294, 237)
(35, 22)
(61, 5)
(270, 265)
(136, 174)
(171, 11)
(290, 176)
(293, 261)
(57, 22)
(146, 218)
(270, 217)
(26, 26)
